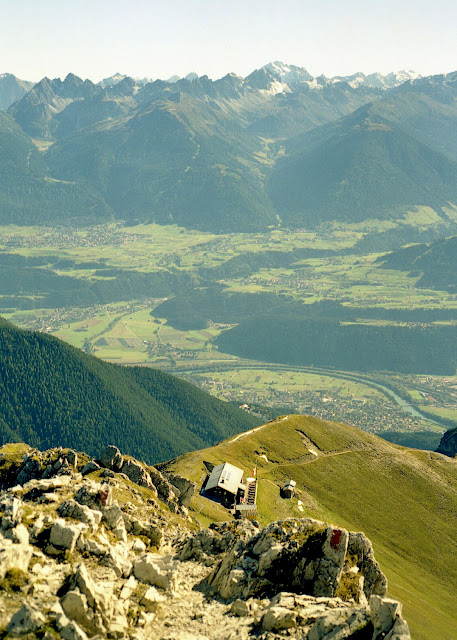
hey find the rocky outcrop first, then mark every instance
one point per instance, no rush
(106, 558)
(305, 555)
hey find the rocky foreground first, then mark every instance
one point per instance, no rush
(107, 549)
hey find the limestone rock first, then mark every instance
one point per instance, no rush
(14, 556)
(163, 486)
(340, 623)
(115, 561)
(72, 509)
(375, 582)
(89, 467)
(277, 618)
(27, 620)
(31, 468)
(183, 488)
(384, 614)
(63, 535)
(152, 599)
(111, 458)
(240, 608)
(18, 535)
(156, 570)
(94, 495)
(148, 529)
(12, 511)
(136, 472)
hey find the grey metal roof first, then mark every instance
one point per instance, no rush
(226, 476)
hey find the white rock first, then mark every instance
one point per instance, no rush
(279, 618)
(72, 509)
(112, 516)
(155, 570)
(64, 535)
(14, 556)
(72, 631)
(18, 534)
(152, 599)
(120, 532)
(267, 558)
(128, 588)
(139, 545)
(400, 631)
(384, 613)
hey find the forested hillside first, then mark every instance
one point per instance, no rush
(358, 347)
(53, 394)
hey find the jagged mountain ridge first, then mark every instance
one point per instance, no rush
(12, 89)
(210, 154)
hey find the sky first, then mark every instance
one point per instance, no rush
(147, 38)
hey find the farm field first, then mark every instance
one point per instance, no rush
(326, 268)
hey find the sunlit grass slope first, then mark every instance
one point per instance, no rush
(405, 500)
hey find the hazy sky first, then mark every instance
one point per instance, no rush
(96, 38)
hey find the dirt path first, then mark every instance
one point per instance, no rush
(262, 426)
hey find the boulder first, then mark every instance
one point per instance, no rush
(72, 509)
(63, 535)
(304, 555)
(183, 488)
(72, 458)
(12, 511)
(115, 561)
(384, 614)
(148, 529)
(374, 581)
(31, 468)
(111, 458)
(18, 535)
(276, 618)
(112, 516)
(156, 570)
(26, 620)
(137, 473)
(152, 599)
(14, 556)
(163, 486)
(341, 623)
(95, 495)
(240, 608)
(89, 467)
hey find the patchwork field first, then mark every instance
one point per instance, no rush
(126, 324)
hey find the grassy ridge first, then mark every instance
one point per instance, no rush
(404, 500)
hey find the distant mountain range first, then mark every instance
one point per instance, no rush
(277, 148)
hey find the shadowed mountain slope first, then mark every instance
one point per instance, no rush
(53, 394)
(359, 168)
(29, 195)
(437, 262)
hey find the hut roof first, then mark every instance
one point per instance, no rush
(226, 476)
